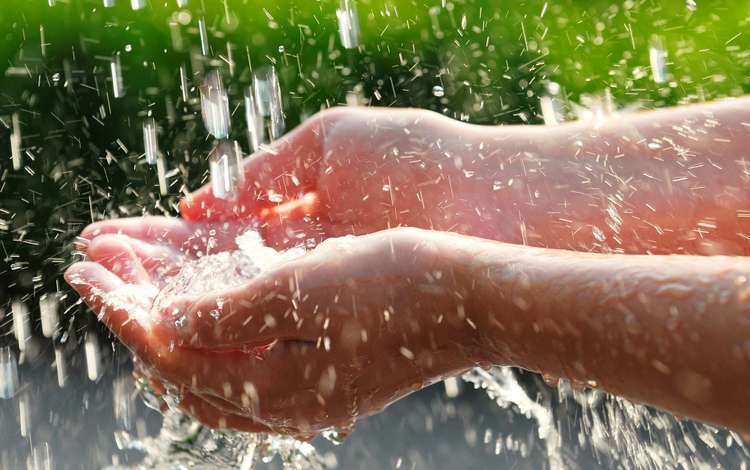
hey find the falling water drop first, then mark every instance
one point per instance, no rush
(254, 121)
(691, 5)
(8, 372)
(658, 58)
(123, 403)
(161, 172)
(40, 458)
(204, 36)
(61, 365)
(598, 234)
(24, 413)
(93, 356)
(118, 88)
(267, 93)
(49, 309)
(451, 385)
(150, 140)
(438, 91)
(21, 323)
(550, 105)
(137, 4)
(348, 24)
(182, 3)
(109, 3)
(215, 105)
(15, 142)
(184, 84)
(225, 162)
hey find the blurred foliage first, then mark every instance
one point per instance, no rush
(83, 147)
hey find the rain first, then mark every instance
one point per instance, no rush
(119, 109)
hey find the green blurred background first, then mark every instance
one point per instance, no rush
(83, 149)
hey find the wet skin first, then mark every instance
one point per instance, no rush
(358, 323)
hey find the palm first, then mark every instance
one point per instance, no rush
(263, 360)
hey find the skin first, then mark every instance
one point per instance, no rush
(357, 323)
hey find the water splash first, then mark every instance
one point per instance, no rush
(185, 443)
(501, 385)
(617, 432)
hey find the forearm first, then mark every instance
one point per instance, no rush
(669, 331)
(666, 181)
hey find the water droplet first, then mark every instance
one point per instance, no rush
(161, 173)
(254, 121)
(115, 68)
(691, 5)
(150, 140)
(21, 323)
(438, 91)
(93, 356)
(338, 434)
(15, 142)
(24, 413)
(225, 162)
(451, 387)
(658, 59)
(204, 36)
(267, 93)
(598, 234)
(49, 307)
(215, 105)
(122, 400)
(184, 84)
(348, 24)
(61, 365)
(8, 372)
(137, 4)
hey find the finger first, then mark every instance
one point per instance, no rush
(116, 304)
(217, 419)
(185, 236)
(283, 172)
(154, 229)
(159, 261)
(116, 254)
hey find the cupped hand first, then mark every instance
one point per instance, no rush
(315, 342)
(360, 170)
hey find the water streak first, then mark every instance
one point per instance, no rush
(215, 105)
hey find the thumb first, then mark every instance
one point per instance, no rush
(278, 173)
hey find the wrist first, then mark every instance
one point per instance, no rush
(479, 324)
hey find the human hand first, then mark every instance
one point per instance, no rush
(352, 326)
(360, 170)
